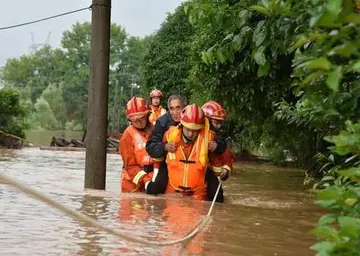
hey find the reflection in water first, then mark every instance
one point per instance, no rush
(142, 215)
(180, 216)
(268, 212)
(89, 237)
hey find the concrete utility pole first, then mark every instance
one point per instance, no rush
(95, 166)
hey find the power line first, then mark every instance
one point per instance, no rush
(48, 18)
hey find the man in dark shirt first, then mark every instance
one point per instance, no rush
(157, 149)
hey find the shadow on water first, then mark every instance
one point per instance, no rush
(268, 212)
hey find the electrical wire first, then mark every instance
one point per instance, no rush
(43, 19)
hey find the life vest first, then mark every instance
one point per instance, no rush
(141, 156)
(188, 173)
(156, 113)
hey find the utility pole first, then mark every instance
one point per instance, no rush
(95, 164)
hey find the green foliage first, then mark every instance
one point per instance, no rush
(326, 80)
(241, 56)
(35, 71)
(340, 231)
(166, 65)
(61, 76)
(44, 115)
(325, 69)
(73, 126)
(53, 94)
(12, 113)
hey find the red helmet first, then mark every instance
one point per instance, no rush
(136, 107)
(214, 110)
(192, 117)
(155, 93)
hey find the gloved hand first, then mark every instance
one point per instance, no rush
(224, 174)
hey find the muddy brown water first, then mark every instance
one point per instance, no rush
(268, 212)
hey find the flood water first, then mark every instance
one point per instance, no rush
(268, 212)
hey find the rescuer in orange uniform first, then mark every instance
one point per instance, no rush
(138, 167)
(156, 109)
(187, 165)
(221, 165)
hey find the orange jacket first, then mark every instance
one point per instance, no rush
(187, 165)
(134, 156)
(156, 112)
(223, 161)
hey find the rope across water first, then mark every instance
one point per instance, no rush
(81, 217)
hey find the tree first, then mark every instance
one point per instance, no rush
(44, 115)
(76, 45)
(241, 56)
(166, 65)
(126, 73)
(35, 71)
(53, 94)
(12, 114)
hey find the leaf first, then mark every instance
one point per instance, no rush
(349, 159)
(204, 57)
(259, 9)
(326, 219)
(325, 232)
(341, 150)
(220, 56)
(351, 172)
(356, 66)
(351, 201)
(229, 36)
(333, 79)
(352, 18)
(345, 50)
(263, 69)
(242, 18)
(259, 33)
(312, 77)
(324, 19)
(350, 226)
(327, 178)
(334, 7)
(301, 40)
(259, 56)
(325, 247)
(237, 39)
(331, 193)
(320, 63)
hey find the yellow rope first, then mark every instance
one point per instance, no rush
(79, 216)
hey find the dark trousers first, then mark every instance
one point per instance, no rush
(159, 185)
(212, 185)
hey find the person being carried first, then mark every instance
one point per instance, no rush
(157, 149)
(187, 164)
(138, 166)
(222, 165)
(156, 109)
